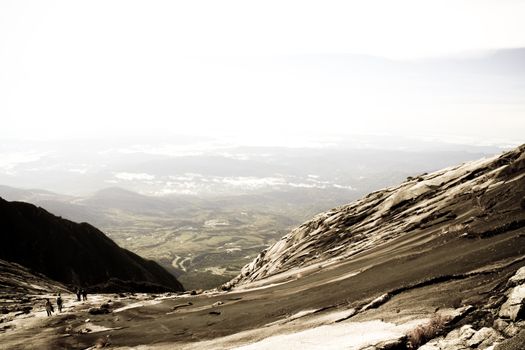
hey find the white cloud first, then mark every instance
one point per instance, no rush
(249, 182)
(10, 160)
(346, 187)
(305, 185)
(186, 177)
(196, 184)
(134, 176)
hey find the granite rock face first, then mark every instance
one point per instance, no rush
(475, 200)
(505, 333)
(514, 307)
(518, 278)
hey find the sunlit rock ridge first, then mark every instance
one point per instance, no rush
(474, 200)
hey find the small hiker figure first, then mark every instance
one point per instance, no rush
(78, 294)
(59, 303)
(84, 294)
(49, 308)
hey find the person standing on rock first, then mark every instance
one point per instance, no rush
(84, 294)
(49, 307)
(78, 294)
(59, 303)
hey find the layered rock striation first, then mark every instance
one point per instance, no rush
(475, 200)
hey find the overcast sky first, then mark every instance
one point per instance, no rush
(265, 70)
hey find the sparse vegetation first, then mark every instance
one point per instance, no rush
(200, 255)
(423, 333)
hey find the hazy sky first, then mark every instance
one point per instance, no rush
(266, 70)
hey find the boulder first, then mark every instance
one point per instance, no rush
(432, 345)
(511, 330)
(466, 332)
(492, 347)
(454, 334)
(452, 341)
(99, 310)
(514, 343)
(226, 286)
(500, 324)
(485, 336)
(444, 344)
(513, 308)
(490, 343)
(518, 278)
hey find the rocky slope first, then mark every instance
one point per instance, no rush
(18, 287)
(437, 262)
(16, 279)
(501, 325)
(75, 254)
(469, 202)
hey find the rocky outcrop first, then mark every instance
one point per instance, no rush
(476, 200)
(465, 338)
(514, 307)
(518, 278)
(101, 310)
(450, 225)
(506, 330)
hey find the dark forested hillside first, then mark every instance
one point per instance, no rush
(75, 254)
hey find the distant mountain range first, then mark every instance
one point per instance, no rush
(177, 231)
(77, 255)
(357, 164)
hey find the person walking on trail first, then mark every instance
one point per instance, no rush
(59, 303)
(49, 307)
(84, 294)
(78, 294)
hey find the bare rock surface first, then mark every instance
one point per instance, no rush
(515, 343)
(439, 199)
(518, 278)
(465, 338)
(400, 262)
(514, 306)
(505, 333)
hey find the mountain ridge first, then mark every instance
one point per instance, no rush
(438, 259)
(76, 254)
(386, 214)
